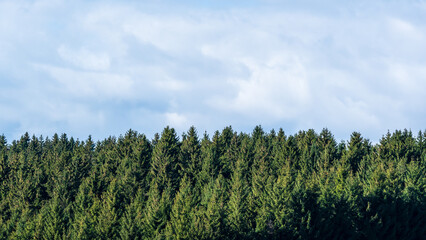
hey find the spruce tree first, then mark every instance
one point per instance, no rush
(327, 147)
(214, 216)
(56, 218)
(156, 211)
(164, 163)
(179, 226)
(112, 206)
(190, 161)
(358, 148)
(208, 156)
(131, 223)
(236, 208)
(259, 177)
(83, 225)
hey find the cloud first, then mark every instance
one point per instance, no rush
(85, 59)
(145, 65)
(405, 29)
(177, 120)
(278, 90)
(90, 84)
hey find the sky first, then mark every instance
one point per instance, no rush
(102, 67)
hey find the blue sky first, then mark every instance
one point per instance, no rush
(102, 67)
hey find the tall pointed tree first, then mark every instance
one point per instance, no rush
(179, 226)
(358, 147)
(156, 212)
(165, 157)
(214, 217)
(237, 205)
(190, 161)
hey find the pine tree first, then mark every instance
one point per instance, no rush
(264, 220)
(304, 186)
(56, 218)
(260, 174)
(208, 156)
(214, 215)
(304, 207)
(309, 152)
(421, 143)
(112, 206)
(278, 201)
(25, 226)
(358, 148)
(327, 147)
(189, 162)
(237, 205)
(179, 226)
(156, 212)
(164, 163)
(83, 225)
(4, 164)
(132, 220)
(229, 154)
(279, 154)
(134, 150)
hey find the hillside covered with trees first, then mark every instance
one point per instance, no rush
(227, 186)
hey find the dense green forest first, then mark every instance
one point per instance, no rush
(227, 186)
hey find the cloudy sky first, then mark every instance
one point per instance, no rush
(102, 67)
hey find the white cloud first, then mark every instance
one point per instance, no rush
(85, 59)
(90, 84)
(343, 67)
(176, 120)
(170, 84)
(405, 29)
(277, 90)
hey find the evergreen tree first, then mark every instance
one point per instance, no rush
(230, 155)
(156, 212)
(358, 148)
(134, 150)
(83, 225)
(234, 186)
(112, 206)
(237, 205)
(56, 217)
(179, 226)
(4, 164)
(279, 155)
(214, 215)
(208, 156)
(259, 177)
(164, 163)
(190, 163)
(132, 220)
(309, 151)
(327, 147)
(278, 201)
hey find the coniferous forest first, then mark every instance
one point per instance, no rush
(229, 185)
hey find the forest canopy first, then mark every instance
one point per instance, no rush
(231, 185)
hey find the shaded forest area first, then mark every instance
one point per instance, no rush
(230, 186)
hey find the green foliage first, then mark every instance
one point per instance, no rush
(156, 212)
(232, 186)
(165, 160)
(236, 207)
(179, 226)
(189, 162)
(214, 213)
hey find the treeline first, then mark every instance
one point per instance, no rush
(230, 186)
